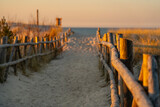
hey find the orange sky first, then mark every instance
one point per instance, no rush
(85, 13)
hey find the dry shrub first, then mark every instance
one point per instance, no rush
(53, 32)
(141, 36)
(31, 31)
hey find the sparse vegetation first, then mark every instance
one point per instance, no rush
(5, 30)
(141, 36)
(30, 30)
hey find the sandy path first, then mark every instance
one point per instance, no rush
(71, 80)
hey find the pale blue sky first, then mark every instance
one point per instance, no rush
(85, 13)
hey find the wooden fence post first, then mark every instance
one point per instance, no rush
(37, 46)
(25, 40)
(42, 45)
(145, 71)
(104, 55)
(107, 78)
(54, 43)
(118, 36)
(110, 40)
(3, 59)
(25, 47)
(114, 40)
(120, 81)
(153, 85)
(11, 55)
(100, 50)
(45, 44)
(51, 44)
(62, 38)
(66, 39)
(55, 47)
(16, 57)
(126, 56)
(157, 57)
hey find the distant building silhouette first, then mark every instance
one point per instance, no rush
(58, 22)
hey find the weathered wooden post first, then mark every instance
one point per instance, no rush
(153, 85)
(145, 71)
(3, 59)
(55, 44)
(149, 79)
(126, 56)
(103, 49)
(16, 57)
(42, 45)
(59, 42)
(37, 17)
(45, 44)
(157, 57)
(63, 42)
(110, 40)
(25, 47)
(118, 36)
(11, 56)
(99, 48)
(120, 81)
(51, 44)
(37, 22)
(114, 39)
(66, 38)
(37, 46)
(106, 57)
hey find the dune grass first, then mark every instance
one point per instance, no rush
(141, 36)
(32, 31)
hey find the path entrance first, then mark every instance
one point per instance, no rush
(71, 80)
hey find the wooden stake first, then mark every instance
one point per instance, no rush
(110, 40)
(3, 59)
(153, 85)
(106, 57)
(66, 39)
(120, 81)
(126, 56)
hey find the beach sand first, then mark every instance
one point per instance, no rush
(71, 80)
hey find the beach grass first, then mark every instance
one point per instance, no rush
(141, 36)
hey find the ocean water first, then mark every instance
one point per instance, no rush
(88, 31)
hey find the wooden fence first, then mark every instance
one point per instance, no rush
(35, 48)
(116, 56)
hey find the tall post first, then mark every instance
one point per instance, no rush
(126, 56)
(37, 22)
(37, 17)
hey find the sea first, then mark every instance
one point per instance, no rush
(89, 31)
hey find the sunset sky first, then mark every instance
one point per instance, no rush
(85, 13)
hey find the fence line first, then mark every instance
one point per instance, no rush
(13, 54)
(109, 57)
